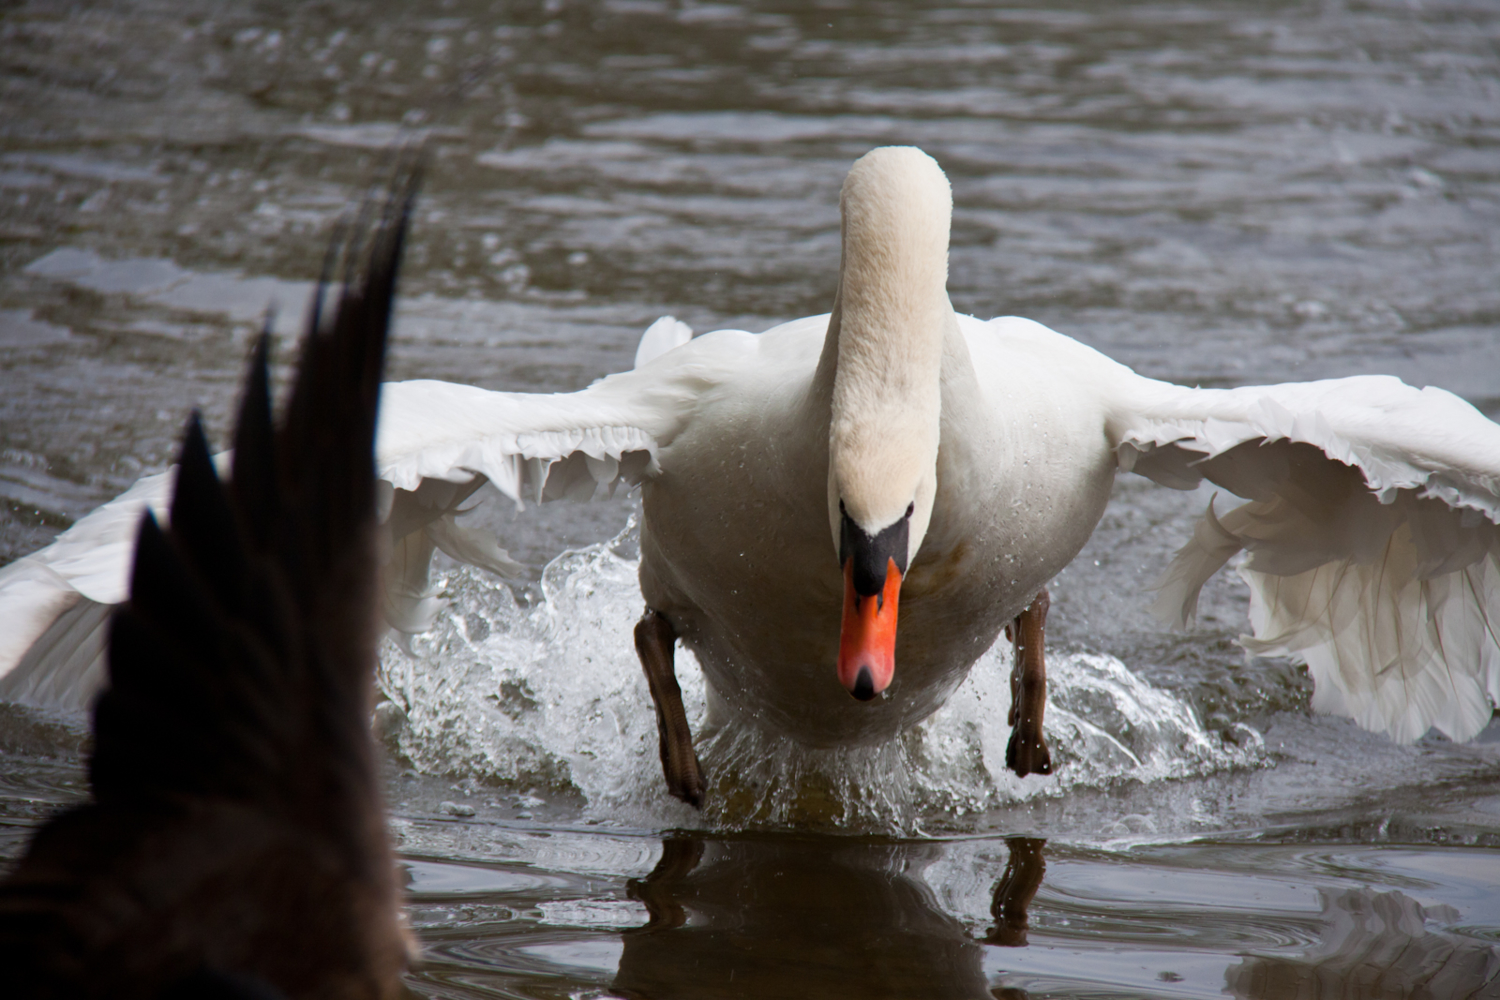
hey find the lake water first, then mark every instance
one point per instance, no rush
(1217, 193)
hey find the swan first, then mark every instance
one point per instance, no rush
(842, 513)
(234, 844)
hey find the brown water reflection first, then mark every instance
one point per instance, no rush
(783, 916)
(1374, 946)
(835, 919)
(826, 917)
(1017, 887)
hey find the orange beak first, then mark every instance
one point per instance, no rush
(867, 640)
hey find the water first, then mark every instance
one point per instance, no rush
(1217, 194)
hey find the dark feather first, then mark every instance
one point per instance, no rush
(253, 483)
(236, 835)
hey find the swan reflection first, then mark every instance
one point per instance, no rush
(1374, 946)
(829, 918)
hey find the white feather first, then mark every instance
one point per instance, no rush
(664, 335)
(1373, 521)
(1374, 552)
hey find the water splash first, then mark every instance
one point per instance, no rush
(547, 694)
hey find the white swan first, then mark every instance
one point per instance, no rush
(897, 449)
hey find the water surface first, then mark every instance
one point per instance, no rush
(1216, 193)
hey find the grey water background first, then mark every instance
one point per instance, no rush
(1218, 193)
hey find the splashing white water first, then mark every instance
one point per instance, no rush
(549, 695)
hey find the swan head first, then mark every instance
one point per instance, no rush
(893, 314)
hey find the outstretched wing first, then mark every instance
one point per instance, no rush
(237, 826)
(1373, 533)
(55, 602)
(438, 442)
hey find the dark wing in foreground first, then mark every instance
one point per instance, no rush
(236, 841)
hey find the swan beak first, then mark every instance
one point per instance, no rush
(867, 641)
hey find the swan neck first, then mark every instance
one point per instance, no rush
(887, 334)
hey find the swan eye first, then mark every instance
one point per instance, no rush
(911, 508)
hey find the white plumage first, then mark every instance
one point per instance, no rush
(1372, 524)
(1374, 552)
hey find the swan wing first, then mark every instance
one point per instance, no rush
(437, 442)
(54, 602)
(1372, 531)
(440, 441)
(236, 822)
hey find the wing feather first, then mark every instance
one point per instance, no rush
(236, 824)
(1372, 532)
(437, 443)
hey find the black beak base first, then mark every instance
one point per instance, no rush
(872, 553)
(864, 685)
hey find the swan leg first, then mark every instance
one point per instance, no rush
(1015, 890)
(1027, 751)
(679, 856)
(654, 639)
